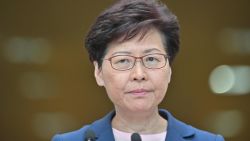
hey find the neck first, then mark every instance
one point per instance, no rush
(149, 122)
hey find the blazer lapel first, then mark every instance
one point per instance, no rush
(103, 128)
(106, 136)
(176, 130)
(173, 135)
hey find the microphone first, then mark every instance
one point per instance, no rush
(90, 135)
(135, 137)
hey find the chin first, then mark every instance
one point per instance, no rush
(141, 108)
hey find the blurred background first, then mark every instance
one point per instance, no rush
(47, 84)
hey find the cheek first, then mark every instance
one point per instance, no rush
(114, 82)
(161, 80)
(161, 85)
(115, 86)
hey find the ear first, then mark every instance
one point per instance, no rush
(169, 75)
(98, 74)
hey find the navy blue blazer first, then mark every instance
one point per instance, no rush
(176, 131)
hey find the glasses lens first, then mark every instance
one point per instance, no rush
(122, 62)
(154, 61)
(125, 62)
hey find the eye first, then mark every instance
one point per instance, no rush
(152, 59)
(121, 60)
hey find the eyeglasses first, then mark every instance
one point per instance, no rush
(127, 62)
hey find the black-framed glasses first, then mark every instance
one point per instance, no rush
(127, 62)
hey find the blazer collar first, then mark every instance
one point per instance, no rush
(103, 128)
(176, 130)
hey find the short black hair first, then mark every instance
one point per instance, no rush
(128, 18)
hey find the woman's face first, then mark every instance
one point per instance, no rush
(140, 88)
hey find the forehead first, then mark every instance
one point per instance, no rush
(153, 40)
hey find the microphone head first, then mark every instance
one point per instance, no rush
(90, 135)
(135, 137)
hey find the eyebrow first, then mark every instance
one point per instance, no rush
(121, 52)
(144, 52)
(151, 50)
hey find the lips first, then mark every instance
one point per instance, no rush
(139, 92)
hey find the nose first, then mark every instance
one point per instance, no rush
(138, 72)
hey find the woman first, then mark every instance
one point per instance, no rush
(132, 45)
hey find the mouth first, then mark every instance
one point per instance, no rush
(139, 92)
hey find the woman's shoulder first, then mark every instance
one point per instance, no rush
(99, 126)
(76, 135)
(205, 135)
(177, 128)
